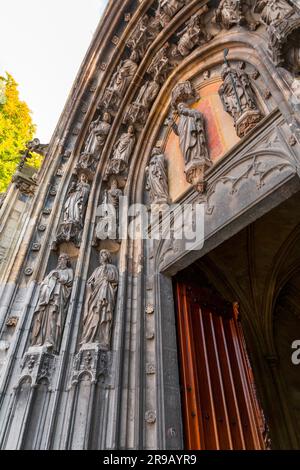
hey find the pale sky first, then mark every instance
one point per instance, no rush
(42, 44)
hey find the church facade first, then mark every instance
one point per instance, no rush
(150, 271)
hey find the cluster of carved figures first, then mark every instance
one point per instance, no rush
(238, 96)
(54, 298)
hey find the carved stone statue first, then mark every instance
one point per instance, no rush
(273, 11)
(239, 99)
(51, 310)
(98, 133)
(144, 33)
(107, 227)
(193, 35)
(122, 152)
(192, 135)
(283, 26)
(160, 65)
(157, 178)
(120, 82)
(168, 8)
(74, 212)
(229, 13)
(138, 111)
(102, 290)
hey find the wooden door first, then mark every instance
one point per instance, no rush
(220, 408)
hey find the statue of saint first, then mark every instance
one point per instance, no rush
(124, 75)
(192, 135)
(170, 7)
(193, 35)
(51, 310)
(102, 290)
(74, 209)
(229, 13)
(148, 93)
(108, 226)
(273, 10)
(122, 152)
(236, 92)
(157, 178)
(99, 131)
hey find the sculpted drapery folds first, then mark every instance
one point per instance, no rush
(120, 82)
(138, 111)
(157, 178)
(239, 99)
(98, 133)
(192, 135)
(229, 13)
(74, 212)
(108, 225)
(122, 152)
(102, 290)
(51, 310)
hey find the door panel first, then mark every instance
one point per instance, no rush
(220, 408)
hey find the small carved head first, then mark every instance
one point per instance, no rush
(134, 56)
(105, 257)
(64, 261)
(114, 183)
(107, 117)
(83, 178)
(131, 130)
(156, 151)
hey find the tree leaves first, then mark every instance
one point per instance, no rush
(16, 129)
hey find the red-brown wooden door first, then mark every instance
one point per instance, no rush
(220, 408)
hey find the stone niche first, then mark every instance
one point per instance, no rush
(221, 136)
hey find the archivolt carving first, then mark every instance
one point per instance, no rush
(260, 169)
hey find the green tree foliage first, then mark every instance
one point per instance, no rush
(16, 128)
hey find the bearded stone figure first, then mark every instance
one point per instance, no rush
(157, 178)
(122, 152)
(239, 99)
(51, 310)
(229, 13)
(102, 290)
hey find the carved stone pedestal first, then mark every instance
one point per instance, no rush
(68, 232)
(195, 174)
(247, 121)
(91, 360)
(38, 363)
